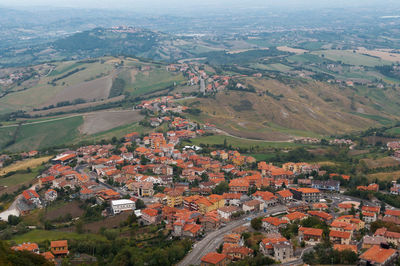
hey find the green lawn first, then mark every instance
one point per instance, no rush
(43, 235)
(48, 134)
(241, 143)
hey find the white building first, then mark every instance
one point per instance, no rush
(118, 206)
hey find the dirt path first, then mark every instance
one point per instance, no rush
(220, 131)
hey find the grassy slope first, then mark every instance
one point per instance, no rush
(348, 57)
(149, 81)
(20, 178)
(54, 133)
(240, 143)
(307, 108)
(42, 235)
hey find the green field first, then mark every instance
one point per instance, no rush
(276, 67)
(43, 235)
(47, 134)
(241, 143)
(6, 135)
(20, 178)
(117, 132)
(394, 131)
(350, 58)
(380, 119)
(150, 81)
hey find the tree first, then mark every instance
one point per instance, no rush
(79, 227)
(256, 223)
(221, 188)
(140, 204)
(14, 220)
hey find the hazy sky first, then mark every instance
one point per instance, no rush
(182, 4)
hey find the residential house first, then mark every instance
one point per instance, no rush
(214, 258)
(226, 212)
(378, 256)
(283, 252)
(294, 216)
(232, 198)
(390, 237)
(31, 197)
(284, 196)
(253, 206)
(273, 224)
(322, 215)
(310, 236)
(141, 189)
(150, 216)
(268, 199)
(59, 248)
(340, 247)
(50, 195)
(236, 253)
(31, 247)
(340, 237)
(239, 185)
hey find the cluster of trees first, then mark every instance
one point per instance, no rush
(325, 254)
(117, 88)
(121, 251)
(11, 257)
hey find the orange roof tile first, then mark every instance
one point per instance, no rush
(213, 258)
(377, 254)
(340, 247)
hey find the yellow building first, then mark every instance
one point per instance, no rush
(174, 198)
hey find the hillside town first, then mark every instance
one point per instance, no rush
(223, 194)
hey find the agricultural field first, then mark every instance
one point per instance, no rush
(43, 235)
(351, 58)
(106, 120)
(15, 181)
(46, 134)
(25, 164)
(139, 82)
(381, 162)
(240, 143)
(386, 55)
(384, 176)
(291, 50)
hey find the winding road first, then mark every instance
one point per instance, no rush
(214, 239)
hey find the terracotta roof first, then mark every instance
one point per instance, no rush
(26, 246)
(321, 214)
(274, 221)
(306, 190)
(285, 193)
(311, 231)
(239, 182)
(213, 258)
(371, 208)
(150, 212)
(48, 255)
(295, 216)
(341, 247)
(339, 234)
(392, 212)
(377, 254)
(59, 243)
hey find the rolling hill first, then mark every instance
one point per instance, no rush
(283, 110)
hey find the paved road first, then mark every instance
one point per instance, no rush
(214, 239)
